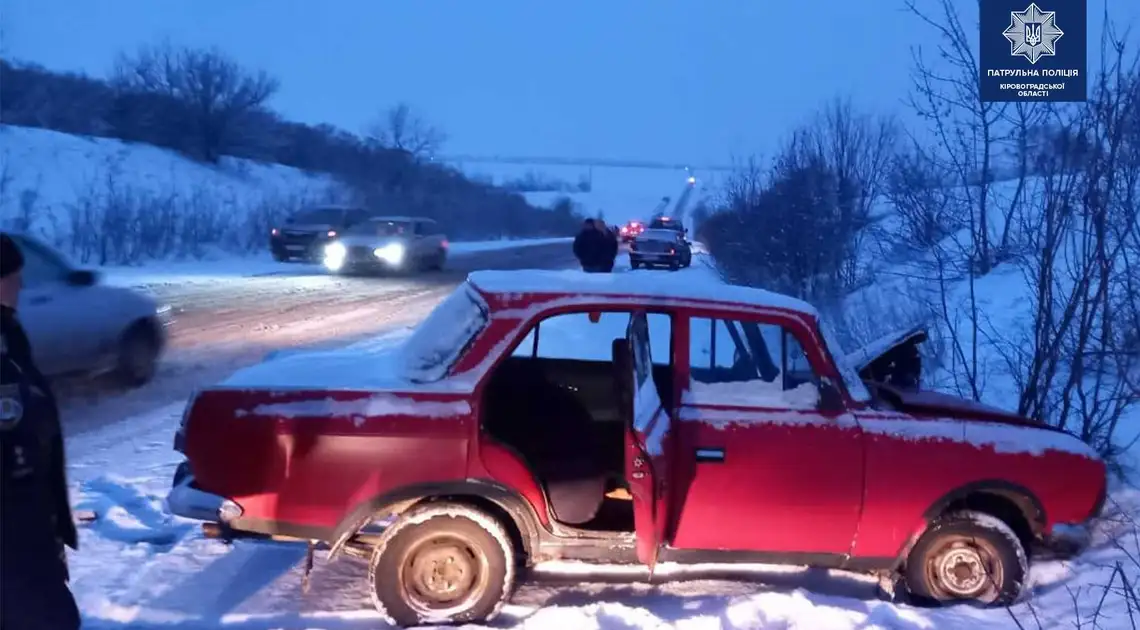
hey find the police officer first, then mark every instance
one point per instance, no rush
(35, 513)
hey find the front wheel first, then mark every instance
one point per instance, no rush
(967, 557)
(138, 356)
(442, 564)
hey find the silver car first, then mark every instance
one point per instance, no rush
(388, 244)
(75, 324)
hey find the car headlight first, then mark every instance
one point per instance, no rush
(335, 254)
(392, 253)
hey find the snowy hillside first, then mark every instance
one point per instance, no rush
(59, 186)
(620, 194)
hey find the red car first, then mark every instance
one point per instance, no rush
(621, 418)
(630, 230)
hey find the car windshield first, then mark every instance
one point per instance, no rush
(850, 376)
(382, 228)
(439, 341)
(318, 215)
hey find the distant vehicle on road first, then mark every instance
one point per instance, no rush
(304, 235)
(630, 230)
(667, 223)
(658, 247)
(626, 418)
(77, 325)
(387, 244)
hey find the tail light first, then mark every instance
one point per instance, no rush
(274, 232)
(444, 244)
(331, 233)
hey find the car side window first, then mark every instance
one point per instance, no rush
(749, 364)
(574, 336)
(421, 228)
(39, 268)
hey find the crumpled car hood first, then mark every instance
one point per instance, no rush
(936, 403)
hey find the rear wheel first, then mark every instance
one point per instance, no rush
(967, 557)
(442, 564)
(634, 264)
(137, 361)
(280, 256)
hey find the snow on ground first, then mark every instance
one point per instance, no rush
(47, 173)
(139, 567)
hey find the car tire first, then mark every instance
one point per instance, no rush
(633, 264)
(438, 262)
(442, 564)
(137, 359)
(674, 265)
(967, 557)
(280, 257)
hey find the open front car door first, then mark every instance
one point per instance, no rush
(646, 442)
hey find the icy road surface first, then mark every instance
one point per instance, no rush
(233, 321)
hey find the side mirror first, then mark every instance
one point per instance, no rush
(81, 278)
(830, 400)
(595, 317)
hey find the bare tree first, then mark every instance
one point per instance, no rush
(219, 96)
(402, 129)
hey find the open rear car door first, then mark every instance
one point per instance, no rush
(646, 439)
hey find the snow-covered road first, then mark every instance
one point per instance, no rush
(226, 321)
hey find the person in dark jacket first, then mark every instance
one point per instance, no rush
(590, 247)
(612, 245)
(35, 512)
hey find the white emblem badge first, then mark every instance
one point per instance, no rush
(1033, 33)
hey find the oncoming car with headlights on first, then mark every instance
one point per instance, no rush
(388, 244)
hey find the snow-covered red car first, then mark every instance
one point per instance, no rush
(618, 418)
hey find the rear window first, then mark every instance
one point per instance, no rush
(439, 341)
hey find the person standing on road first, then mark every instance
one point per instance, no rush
(35, 512)
(590, 247)
(611, 246)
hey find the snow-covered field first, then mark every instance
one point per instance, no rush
(620, 194)
(138, 567)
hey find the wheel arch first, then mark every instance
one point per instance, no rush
(1012, 503)
(511, 509)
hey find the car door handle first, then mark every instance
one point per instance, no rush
(710, 455)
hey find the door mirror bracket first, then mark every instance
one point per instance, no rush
(830, 400)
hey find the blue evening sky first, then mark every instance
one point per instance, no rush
(673, 80)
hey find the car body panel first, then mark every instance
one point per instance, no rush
(856, 481)
(303, 235)
(75, 327)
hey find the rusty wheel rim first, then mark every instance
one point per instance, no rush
(443, 575)
(964, 567)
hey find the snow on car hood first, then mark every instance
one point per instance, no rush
(374, 364)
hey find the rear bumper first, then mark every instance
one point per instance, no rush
(189, 502)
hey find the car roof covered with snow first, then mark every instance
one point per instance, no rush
(648, 285)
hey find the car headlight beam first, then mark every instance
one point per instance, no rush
(335, 253)
(392, 253)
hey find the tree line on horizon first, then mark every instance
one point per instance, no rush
(204, 105)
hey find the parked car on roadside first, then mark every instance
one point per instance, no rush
(623, 418)
(75, 324)
(660, 248)
(303, 236)
(387, 244)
